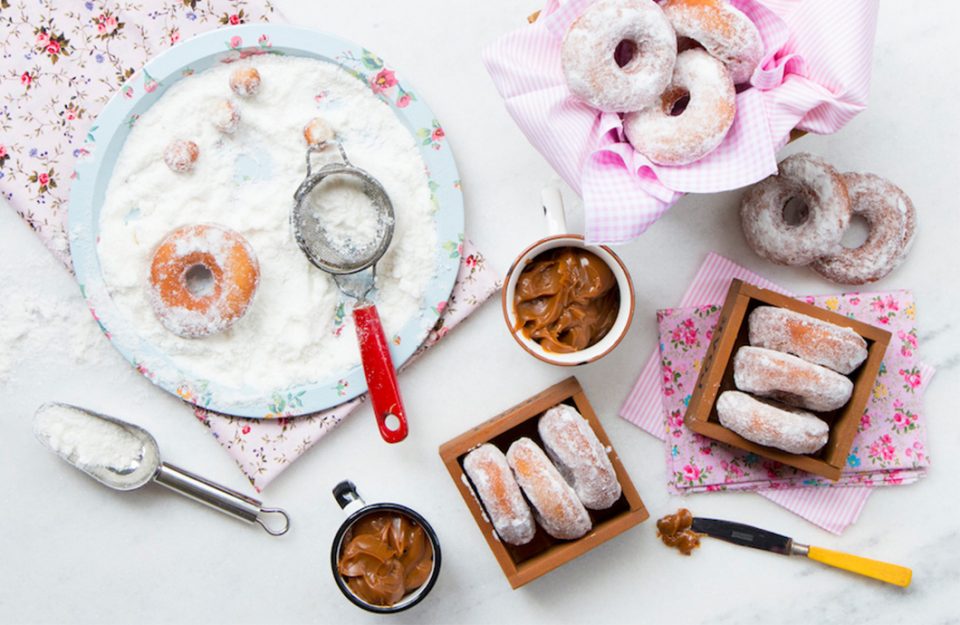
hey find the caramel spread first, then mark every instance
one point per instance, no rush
(674, 530)
(385, 556)
(566, 299)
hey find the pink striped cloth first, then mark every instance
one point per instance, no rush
(833, 508)
(815, 76)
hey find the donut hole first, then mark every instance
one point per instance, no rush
(795, 212)
(686, 43)
(856, 233)
(674, 101)
(625, 52)
(199, 280)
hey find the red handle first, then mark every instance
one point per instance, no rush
(380, 374)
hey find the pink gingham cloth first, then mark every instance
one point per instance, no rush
(890, 447)
(814, 76)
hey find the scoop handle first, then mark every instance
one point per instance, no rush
(380, 374)
(221, 498)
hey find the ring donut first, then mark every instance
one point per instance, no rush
(726, 33)
(590, 46)
(668, 139)
(790, 429)
(202, 279)
(821, 189)
(891, 219)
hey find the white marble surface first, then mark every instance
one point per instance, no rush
(71, 550)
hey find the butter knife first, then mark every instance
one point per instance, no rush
(749, 536)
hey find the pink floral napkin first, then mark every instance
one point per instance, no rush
(264, 448)
(890, 446)
(61, 61)
(831, 507)
(815, 76)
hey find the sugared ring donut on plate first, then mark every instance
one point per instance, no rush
(891, 220)
(202, 279)
(723, 31)
(590, 48)
(678, 139)
(819, 187)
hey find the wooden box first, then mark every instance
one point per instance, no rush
(544, 553)
(716, 376)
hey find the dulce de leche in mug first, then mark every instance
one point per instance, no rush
(566, 299)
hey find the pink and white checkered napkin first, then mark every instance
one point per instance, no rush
(889, 449)
(815, 76)
(264, 448)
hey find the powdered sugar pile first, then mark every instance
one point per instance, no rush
(296, 330)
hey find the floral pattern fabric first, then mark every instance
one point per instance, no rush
(60, 62)
(264, 448)
(890, 446)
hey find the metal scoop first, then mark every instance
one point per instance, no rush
(124, 457)
(354, 270)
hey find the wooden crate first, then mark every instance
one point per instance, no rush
(716, 376)
(522, 564)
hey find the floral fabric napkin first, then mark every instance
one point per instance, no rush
(61, 61)
(890, 446)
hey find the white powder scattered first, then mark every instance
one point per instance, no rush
(350, 220)
(99, 447)
(245, 181)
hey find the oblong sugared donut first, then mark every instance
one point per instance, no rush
(816, 341)
(725, 32)
(891, 220)
(579, 455)
(789, 429)
(497, 489)
(668, 139)
(790, 379)
(202, 279)
(557, 507)
(590, 44)
(820, 188)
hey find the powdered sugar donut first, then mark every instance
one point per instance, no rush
(202, 279)
(668, 139)
(317, 132)
(181, 155)
(792, 380)
(817, 184)
(225, 116)
(487, 468)
(816, 341)
(579, 455)
(891, 219)
(726, 33)
(789, 429)
(590, 43)
(557, 507)
(245, 81)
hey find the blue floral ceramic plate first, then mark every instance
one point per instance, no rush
(108, 134)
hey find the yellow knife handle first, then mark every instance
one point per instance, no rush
(884, 571)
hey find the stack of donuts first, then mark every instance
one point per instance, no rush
(827, 200)
(552, 486)
(670, 68)
(203, 276)
(794, 364)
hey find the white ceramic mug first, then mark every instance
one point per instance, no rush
(558, 237)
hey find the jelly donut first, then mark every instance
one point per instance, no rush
(579, 455)
(318, 132)
(820, 188)
(591, 42)
(245, 81)
(789, 429)
(225, 116)
(891, 220)
(723, 31)
(816, 341)
(180, 156)
(557, 508)
(792, 380)
(668, 139)
(487, 468)
(202, 279)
